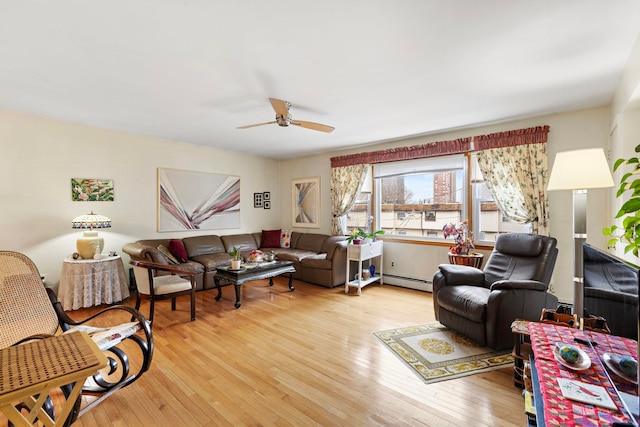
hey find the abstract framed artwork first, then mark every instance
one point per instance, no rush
(92, 190)
(306, 202)
(197, 200)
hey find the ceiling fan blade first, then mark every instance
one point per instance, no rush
(281, 107)
(312, 125)
(257, 124)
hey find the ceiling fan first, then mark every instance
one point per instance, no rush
(284, 119)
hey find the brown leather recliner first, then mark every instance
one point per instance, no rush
(482, 304)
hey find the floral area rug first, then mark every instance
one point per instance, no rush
(436, 353)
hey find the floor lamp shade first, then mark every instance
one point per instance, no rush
(90, 243)
(579, 170)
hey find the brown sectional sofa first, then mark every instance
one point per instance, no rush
(318, 258)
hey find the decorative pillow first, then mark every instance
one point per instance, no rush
(270, 238)
(167, 253)
(285, 239)
(177, 250)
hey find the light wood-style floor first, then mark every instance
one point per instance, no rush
(298, 358)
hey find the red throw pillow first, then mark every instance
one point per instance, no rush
(270, 239)
(177, 250)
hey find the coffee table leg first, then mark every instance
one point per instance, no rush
(218, 287)
(291, 282)
(237, 304)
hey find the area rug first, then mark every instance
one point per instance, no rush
(436, 353)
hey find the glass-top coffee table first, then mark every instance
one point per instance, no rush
(249, 272)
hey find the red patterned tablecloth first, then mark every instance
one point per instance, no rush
(559, 411)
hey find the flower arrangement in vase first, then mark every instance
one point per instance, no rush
(462, 236)
(256, 255)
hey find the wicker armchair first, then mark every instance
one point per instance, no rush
(30, 311)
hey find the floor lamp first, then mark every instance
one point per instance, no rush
(579, 170)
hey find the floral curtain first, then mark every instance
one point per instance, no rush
(345, 184)
(517, 179)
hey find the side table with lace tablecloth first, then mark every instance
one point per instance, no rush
(89, 282)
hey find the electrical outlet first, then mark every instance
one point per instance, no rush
(393, 264)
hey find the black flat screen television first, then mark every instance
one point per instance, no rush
(611, 290)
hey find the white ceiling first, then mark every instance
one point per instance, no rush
(194, 70)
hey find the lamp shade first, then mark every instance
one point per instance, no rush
(580, 170)
(91, 220)
(90, 245)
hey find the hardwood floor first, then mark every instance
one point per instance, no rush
(298, 359)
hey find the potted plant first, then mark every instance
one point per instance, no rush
(629, 233)
(358, 236)
(462, 237)
(462, 252)
(236, 258)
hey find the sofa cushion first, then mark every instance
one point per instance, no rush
(311, 242)
(244, 242)
(318, 261)
(177, 250)
(270, 239)
(293, 255)
(469, 302)
(212, 261)
(285, 238)
(201, 245)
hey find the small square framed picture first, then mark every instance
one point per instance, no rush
(266, 195)
(267, 204)
(257, 200)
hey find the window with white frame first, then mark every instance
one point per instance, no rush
(416, 198)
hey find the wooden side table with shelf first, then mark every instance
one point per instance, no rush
(362, 253)
(521, 350)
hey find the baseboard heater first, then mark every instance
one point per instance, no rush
(409, 282)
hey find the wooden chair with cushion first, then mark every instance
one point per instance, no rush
(29, 310)
(167, 285)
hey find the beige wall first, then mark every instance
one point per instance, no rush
(40, 156)
(568, 131)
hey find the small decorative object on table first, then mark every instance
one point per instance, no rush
(462, 252)
(256, 255)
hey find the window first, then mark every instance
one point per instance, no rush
(358, 216)
(416, 198)
(489, 220)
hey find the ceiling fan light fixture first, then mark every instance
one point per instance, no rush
(284, 118)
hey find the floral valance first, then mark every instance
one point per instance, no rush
(511, 138)
(431, 149)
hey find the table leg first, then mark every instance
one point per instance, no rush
(291, 288)
(237, 304)
(218, 287)
(271, 281)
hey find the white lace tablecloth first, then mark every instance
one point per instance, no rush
(89, 282)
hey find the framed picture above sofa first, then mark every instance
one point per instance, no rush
(189, 200)
(305, 193)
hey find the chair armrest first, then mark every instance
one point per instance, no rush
(532, 285)
(461, 275)
(163, 267)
